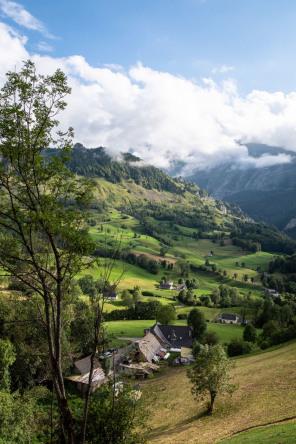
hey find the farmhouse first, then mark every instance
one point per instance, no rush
(149, 349)
(272, 292)
(229, 318)
(181, 287)
(80, 376)
(111, 296)
(172, 336)
(167, 285)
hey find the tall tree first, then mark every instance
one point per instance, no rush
(211, 374)
(44, 240)
(166, 314)
(198, 323)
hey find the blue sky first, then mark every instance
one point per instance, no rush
(154, 76)
(254, 39)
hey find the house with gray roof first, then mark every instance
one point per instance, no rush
(229, 318)
(111, 296)
(148, 348)
(167, 285)
(80, 376)
(172, 336)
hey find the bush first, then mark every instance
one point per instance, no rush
(238, 346)
(147, 293)
(182, 316)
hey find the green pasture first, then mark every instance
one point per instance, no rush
(273, 434)
(135, 329)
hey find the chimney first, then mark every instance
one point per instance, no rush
(173, 337)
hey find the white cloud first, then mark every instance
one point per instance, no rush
(19, 15)
(12, 47)
(222, 69)
(161, 117)
(44, 47)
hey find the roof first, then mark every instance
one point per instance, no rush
(229, 316)
(141, 365)
(149, 346)
(97, 378)
(83, 365)
(181, 287)
(173, 335)
(168, 285)
(110, 294)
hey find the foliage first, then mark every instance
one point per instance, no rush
(166, 314)
(116, 416)
(142, 310)
(238, 346)
(211, 338)
(197, 321)
(7, 358)
(44, 239)
(211, 374)
(250, 333)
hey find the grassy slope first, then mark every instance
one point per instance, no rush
(275, 434)
(266, 393)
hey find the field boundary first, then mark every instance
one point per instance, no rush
(290, 418)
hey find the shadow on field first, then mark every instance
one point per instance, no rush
(181, 426)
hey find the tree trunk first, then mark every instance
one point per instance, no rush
(211, 406)
(92, 359)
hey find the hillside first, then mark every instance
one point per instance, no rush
(263, 380)
(128, 185)
(265, 194)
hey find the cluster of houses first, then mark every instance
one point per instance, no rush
(169, 285)
(158, 343)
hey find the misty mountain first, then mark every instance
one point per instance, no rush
(266, 194)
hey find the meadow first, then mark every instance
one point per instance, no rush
(266, 393)
(116, 229)
(135, 329)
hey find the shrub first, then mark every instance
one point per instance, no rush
(147, 293)
(182, 316)
(238, 346)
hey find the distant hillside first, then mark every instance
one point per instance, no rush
(96, 162)
(148, 194)
(265, 194)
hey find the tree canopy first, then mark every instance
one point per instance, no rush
(211, 373)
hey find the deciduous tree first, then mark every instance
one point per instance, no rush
(44, 239)
(210, 375)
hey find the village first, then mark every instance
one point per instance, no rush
(160, 347)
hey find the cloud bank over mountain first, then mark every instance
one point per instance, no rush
(160, 117)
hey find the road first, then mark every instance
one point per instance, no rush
(118, 357)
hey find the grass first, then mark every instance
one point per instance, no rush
(278, 433)
(135, 329)
(266, 393)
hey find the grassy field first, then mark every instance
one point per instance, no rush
(273, 434)
(135, 329)
(266, 393)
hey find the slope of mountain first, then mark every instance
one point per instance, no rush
(144, 192)
(266, 194)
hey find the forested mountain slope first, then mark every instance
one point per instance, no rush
(266, 194)
(145, 191)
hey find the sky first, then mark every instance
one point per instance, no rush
(170, 80)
